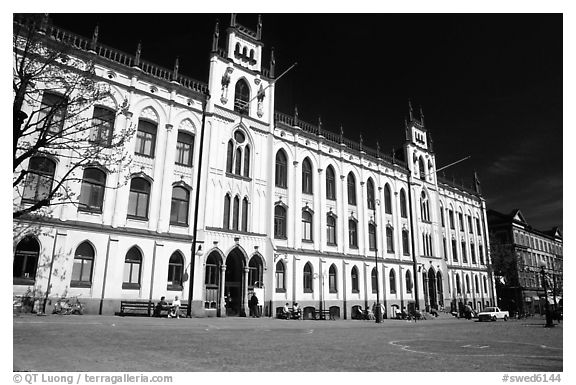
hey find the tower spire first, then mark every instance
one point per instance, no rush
(94, 40)
(259, 28)
(176, 67)
(215, 37)
(232, 20)
(138, 53)
(410, 111)
(272, 63)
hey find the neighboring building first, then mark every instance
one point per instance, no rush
(286, 209)
(518, 253)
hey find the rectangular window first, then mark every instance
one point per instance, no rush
(184, 148)
(138, 204)
(461, 221)
(102, 126)
(145, 138)
(52, 113)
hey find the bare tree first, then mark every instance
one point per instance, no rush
(72, 118)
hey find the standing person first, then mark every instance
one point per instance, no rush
(175, 308)
(254, 305)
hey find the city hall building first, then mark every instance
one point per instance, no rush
(285, 209)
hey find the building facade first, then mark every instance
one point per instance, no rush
(286, 209)
(520, 255)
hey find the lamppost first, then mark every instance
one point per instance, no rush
(196, 204)
(377, 311)
(543, 277)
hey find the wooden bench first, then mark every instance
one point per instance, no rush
(323, 314)
(135, 308)
(167, 309)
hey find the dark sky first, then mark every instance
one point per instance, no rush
(490, 85)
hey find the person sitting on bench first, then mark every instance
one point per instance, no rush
(285, 312)
(162, 305)
(175, 308)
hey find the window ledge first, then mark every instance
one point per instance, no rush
(308, 241)
(90, 211)
(144, 155)
(174, 287)
(283, 238)
(183, 165)
(133, 217)
(236, 176)
(23, 281)
(331, 244)
(280, 290)
(80, 284)
(130, 286)
(308, 291)
(179, 224)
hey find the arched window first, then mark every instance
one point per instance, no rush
(458, 287)
(179, 208)
(467, 283)
(476, 286)
(464, 256)
(184, 149)
(39, 180)
(139, 198)
(307, 278)
(481, 254)
(226, 221)
(454, 251)
(102, 126)
(237, 49)
(422, 168)
(242, 96)
(212, 280)
(451, 218)
(485, 284)
(281, 169)
(146, 138)
(92, 190)
(389, 239)
(279, 222)
(330, 230)
(370, 194)
(245, 214)
(445, 248)
(408, 282)
(132, 269)
(306, 176)
(405, 242)
(230, 156)
(371, 236)
(332, 279)
(424, 208)
(442, 215)
(387, 199)
(351, 189)
(82, 268)
(255, 272)
(392, 281)
(472, 253)
(247, 161)
(330, 184)
(236, 213)
(280, 277)
(403, 211)
(238, 161)
(26, 261)
(306, 225)
(374, 279)
(355, 280)
(352, 233)
(175, 271)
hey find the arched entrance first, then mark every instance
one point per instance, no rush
(432, 289)
(234, 284)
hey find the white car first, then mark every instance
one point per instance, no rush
(493, 314)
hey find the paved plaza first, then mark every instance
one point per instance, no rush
(108, 343)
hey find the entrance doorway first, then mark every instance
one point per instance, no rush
(432, 289)
(234, 284)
